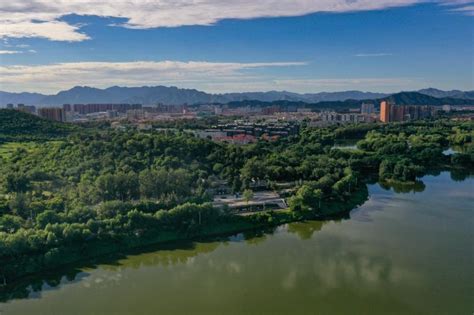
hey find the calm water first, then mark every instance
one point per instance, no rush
(455, 149)
(409, 253)
(347, 144)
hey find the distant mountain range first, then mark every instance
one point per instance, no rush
(453, 93)
(417, 98)
(402, 98)
(150, 95)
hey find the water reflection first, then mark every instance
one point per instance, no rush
(32, 287)
(456, 149)
(347, 144)
(378, 258)
(305, 230)
(403, 188)
(166, 255)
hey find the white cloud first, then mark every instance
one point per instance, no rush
(468, 10)
(198, 74)
(41, 18)
(216, 77)
(52, 30)
(9, 52)
(350, 83)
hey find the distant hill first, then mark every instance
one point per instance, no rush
(273, 96)
(150, 95)
(142, 95)
(415, 98)
(343, 96)
(17, 124)
(20, 98)
(442, 94)
(403, 98)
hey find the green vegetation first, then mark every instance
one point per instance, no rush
(16, 125)
(94, 191)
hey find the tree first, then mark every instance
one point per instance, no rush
(47, 217)
(318, 194)
(120, 186)
(248, 195)
(17, 183)
(236, 184)
(296, 203)
(254, 168)
(10, 223)
(19, 205)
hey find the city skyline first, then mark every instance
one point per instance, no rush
(216, 47)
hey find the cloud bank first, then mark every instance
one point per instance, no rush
(42, 18)
(51, 78)
(217, 77)
(9, 52)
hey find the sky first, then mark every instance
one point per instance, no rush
(218, 46)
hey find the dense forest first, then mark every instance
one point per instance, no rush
(84, 191)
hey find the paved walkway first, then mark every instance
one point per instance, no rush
(261, 198)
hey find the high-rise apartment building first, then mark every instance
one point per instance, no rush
(52, 113)
(67, 107)
(385, 111)
(367, 109)
(85, 109)
(390, 112)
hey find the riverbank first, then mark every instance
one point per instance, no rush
(384, 253)
(14, 271)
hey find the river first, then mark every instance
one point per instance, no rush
(399, 253)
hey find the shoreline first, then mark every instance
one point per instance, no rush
(30, 267)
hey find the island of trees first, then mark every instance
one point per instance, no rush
(72, 192)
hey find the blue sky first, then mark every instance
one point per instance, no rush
(402, 45)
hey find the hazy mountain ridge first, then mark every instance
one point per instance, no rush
(149, 95)
(22, 98)
(416, 98)
(402, 98)
(453, 93)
